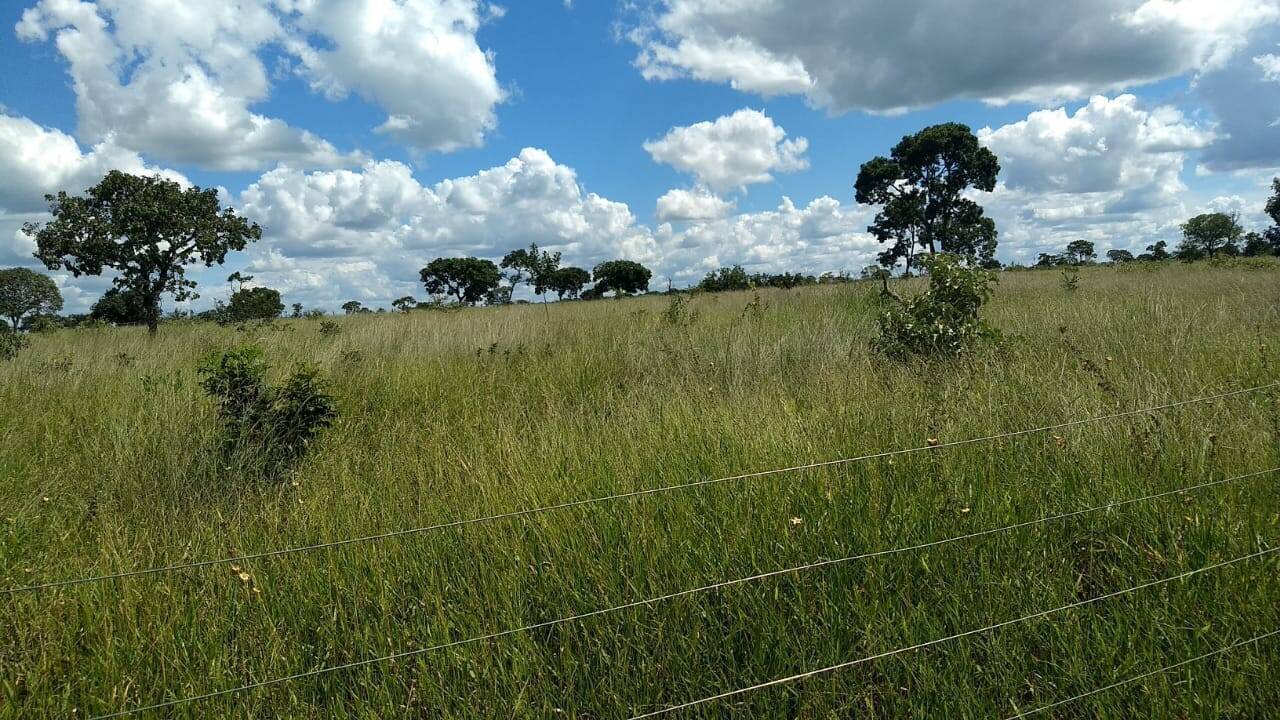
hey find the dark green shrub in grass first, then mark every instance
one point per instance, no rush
(943, 321)
(267, 426)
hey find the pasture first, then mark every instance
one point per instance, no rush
(109, 463)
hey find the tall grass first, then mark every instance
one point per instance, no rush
(109, 461)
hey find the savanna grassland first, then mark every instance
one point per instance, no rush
(109, 461)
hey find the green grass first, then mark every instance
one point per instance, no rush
(109, 461)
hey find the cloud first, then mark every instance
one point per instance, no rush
(1244, 98)
(178, 81)
(1108, 172)
(697, 204)
(418, 60)
(731, 152)
(886, 57)
(378, 224)
(822, 236)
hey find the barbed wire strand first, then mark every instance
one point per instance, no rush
(937, 641)
(612, 498)
(675, 595)
(1144, 676)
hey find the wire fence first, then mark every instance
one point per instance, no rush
(627, 496)
(949, 638)
(684, 593)
(1137, 678)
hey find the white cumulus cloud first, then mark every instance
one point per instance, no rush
(681, 205)
(731, 152)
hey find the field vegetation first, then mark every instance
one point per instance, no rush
(113, 457)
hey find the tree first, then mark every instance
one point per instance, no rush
(1273, 209)
(1209, 234)
(1080, 252)
(1048, 260)
(725, 279)
(25, 292)
(259, 303)
(1118, 256)
(297, 310)
(145, 229)
(352, 307)
(404, 304)
(119, 307)
(1255, 245)
(568, 281)
(920, 187)
(623, 277)
(239, 278)
(532, 266)
(1157, 251)
(467, 279)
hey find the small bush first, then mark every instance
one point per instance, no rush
(944, 320)
(329, 328)
(268, 426)
(11, 343)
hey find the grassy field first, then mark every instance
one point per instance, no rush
(109, 462)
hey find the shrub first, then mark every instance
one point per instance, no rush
(270, 426)
(943, 321)
(11, 343)
(329, 328)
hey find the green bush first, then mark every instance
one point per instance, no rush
(943, 321)
(270, 426)
(11, 343)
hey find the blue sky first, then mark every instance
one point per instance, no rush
(1104, 132)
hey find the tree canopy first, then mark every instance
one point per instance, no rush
(24, 293)
(1209, 234)
(1273, 210)
(623, 277)
(468, 279)
(1118, 256)
(726, 278)
(145, 229)
(259, 303)
(1080, 252)
(919, 188)
(568, 281)
(531, 266)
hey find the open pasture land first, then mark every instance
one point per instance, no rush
(109, 459)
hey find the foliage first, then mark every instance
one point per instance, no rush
(271, 426)
(726, 279)
(1208, 234)
(297, 311)
(11, 342)
(1273, 211)
(783, 281)
(259, 303)
(468, 279)
(532, 266)
(1118, 256)
(623, 277)
(1071, 278)
(677, 312)
(145, 229)
(24, 293)
(120, 306)
(1255, 245)
(329, 328)
(943, 321)
(1156, 252)
(404, 304)
(352, 307)
(1080, 252)
(568, 281)
(920, 189)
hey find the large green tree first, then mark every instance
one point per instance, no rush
(531, 266)
(1080, 252)
(623, 277)
(145, 230)
(1208, 235)
(468, 279)
(920, 189)
(119, 307)
(568, 281)
(259, 303)
(26, 292)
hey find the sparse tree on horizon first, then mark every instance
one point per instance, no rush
(1208, 234)
(468, 279)
(622, 277)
